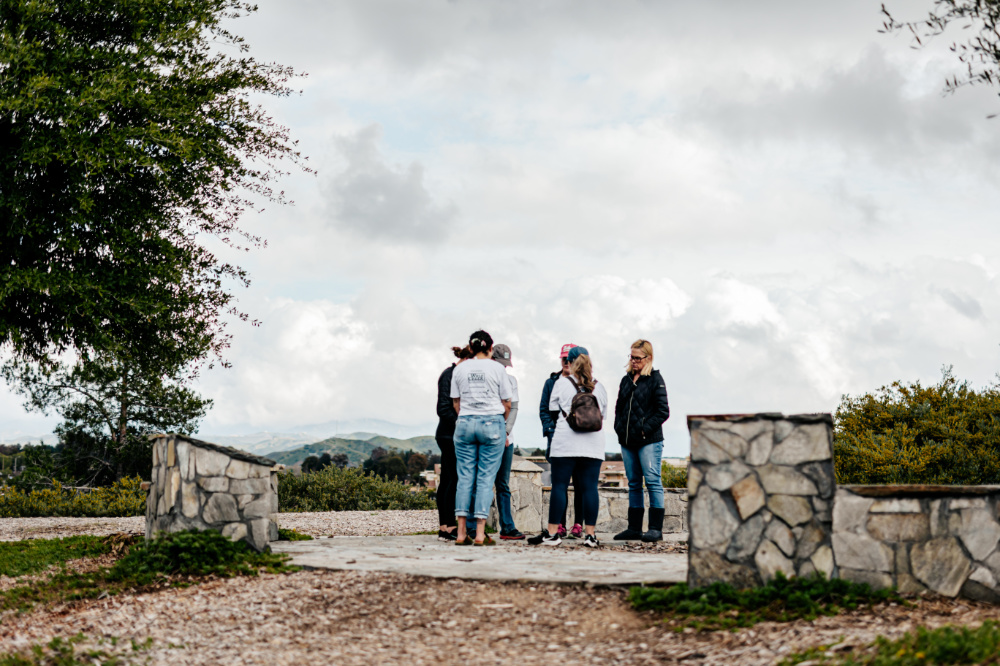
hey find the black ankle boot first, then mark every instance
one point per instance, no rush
(634, 531)
(655, 532)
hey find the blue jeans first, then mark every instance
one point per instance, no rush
(644, 464)
(503, 491)
(479, 444)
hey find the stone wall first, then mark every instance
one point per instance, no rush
(198, 485)
(761, 488)
(938, 538)
(530, 504)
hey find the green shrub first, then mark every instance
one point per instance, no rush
(782, 600)
(68, 652)
(123, 498)
(945, 434)
(349, 489)
(673, 477)
(945, 645)
(191, 553)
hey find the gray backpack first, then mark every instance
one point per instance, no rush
(584, 412)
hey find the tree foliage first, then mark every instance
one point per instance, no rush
(130, 144)
(946, 434)
(979, 51)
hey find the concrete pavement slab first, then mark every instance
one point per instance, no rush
(424, 555)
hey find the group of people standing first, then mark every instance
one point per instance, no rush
(477, 407)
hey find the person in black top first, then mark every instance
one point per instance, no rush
(640, 412)
(447, 417)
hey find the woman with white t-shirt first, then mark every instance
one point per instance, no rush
(481, 394)
(574, 453)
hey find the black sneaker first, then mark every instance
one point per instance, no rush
(513, 535)
(447, 536)
(590, 541)
(545, 539)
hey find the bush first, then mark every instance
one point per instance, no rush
(946, 434)
(191, 553)
(350, 489)
(122, 498)
(674, 477)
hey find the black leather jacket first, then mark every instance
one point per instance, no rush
(447, 416)
(640, 410)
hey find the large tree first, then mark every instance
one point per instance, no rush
(129, 143)
(978, 50)
(108, 405)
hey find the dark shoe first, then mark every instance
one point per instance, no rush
(447, 536)
(634, 531)
(545, 539)
(513, 535)
(467, 541)
(655, 532)
(590, 541)
(487, 541)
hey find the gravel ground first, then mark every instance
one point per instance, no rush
(330, 523)
(363, 618)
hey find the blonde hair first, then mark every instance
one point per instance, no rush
(646, 347)
(584, 373)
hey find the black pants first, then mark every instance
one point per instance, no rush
(577, 490)
(585, 472)
(448, 483)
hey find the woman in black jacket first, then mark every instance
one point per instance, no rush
(640, 412)
(447, 416)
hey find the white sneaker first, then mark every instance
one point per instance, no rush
(590, 541)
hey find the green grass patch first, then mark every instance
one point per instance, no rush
(292, 535)
(946, 645)
(177, 559)
(720, 606)
(18, 558)
(68, 652)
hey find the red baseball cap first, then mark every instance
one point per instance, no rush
(565, 349)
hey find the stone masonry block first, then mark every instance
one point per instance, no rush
(252, 486)
(210, 463)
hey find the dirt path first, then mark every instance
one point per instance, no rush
(372, 618)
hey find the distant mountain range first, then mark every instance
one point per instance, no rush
(357, 450)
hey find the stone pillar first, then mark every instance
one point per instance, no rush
(760, 490)
(198, 485)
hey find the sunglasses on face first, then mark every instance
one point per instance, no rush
(636, 359)
(565, 361)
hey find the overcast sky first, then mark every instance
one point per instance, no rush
(776, 195)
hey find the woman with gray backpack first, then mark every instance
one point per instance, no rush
(577, 446)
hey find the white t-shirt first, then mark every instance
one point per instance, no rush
(480, 384)
(566, 442)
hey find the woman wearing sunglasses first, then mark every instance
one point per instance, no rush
(640, 412)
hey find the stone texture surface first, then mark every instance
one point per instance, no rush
(941, 565)
(199, 485)
(749, 496)
(930, 538)
(760, 502)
